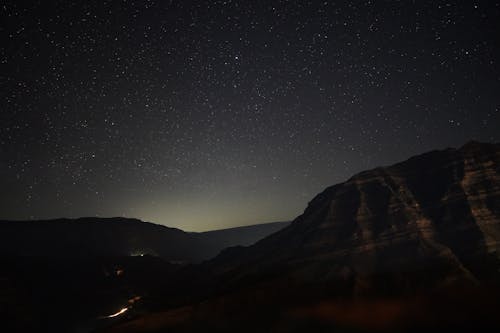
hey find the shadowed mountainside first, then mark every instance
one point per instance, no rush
(438, 210)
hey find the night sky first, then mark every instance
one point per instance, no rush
(212, 114)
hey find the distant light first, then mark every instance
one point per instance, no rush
(143, 253)
(117, 314)
(134, 299)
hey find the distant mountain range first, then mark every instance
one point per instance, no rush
(115, 237)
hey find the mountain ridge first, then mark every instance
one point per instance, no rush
(117, 236)
(407, 191)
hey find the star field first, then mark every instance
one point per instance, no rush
(212, 114)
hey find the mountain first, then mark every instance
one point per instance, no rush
(439, 211)
(411, 246)
(116, 237)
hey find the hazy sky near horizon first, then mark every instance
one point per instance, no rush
(211, 114)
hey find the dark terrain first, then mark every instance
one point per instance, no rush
(117, 237)
(408, 247)
(62, 275)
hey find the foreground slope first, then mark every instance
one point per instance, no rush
(69, 275)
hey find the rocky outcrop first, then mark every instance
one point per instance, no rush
(433, 220)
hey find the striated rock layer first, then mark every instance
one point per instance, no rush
(438, 212)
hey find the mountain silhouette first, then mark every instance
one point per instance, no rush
(116, 237)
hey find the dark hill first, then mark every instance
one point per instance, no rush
(64, 275)
(116, 237)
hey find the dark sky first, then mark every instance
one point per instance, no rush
(210, 114)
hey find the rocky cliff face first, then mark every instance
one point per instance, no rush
(438, 212)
